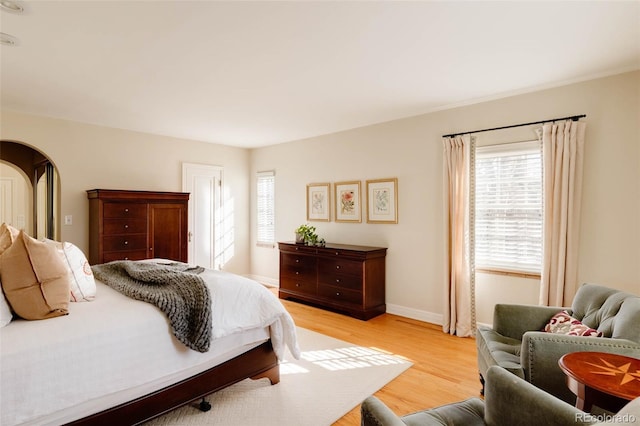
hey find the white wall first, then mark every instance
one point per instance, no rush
(89, 157)
(410, 149)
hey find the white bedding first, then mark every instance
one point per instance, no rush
(115, 349)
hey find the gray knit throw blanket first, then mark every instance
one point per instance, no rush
(174, 288)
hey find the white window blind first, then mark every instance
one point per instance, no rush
(266, 208)
(508, 201)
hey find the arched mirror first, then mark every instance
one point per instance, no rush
(29, 190)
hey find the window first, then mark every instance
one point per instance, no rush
(266, 208)
(508, 207)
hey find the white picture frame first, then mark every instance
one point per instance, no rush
(319, 202)
(382, 200)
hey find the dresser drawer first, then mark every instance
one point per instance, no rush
(341, 266)
(299, 249)
(124, 255)
(125, 243)
(340, 253)
(125, 226)
(337, 294)
(124, 210)
(303, 274)
(298, 286)
(293, 265)
(341, 280)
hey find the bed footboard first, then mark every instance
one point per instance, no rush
(273, 374)
(257, 363)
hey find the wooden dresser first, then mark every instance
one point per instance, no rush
(137, 225)
(341, 277)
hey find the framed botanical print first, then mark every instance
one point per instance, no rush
(347, 202)
(319, 202)
(382, 201)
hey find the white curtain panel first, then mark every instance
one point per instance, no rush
(563, 154)
(457, 317)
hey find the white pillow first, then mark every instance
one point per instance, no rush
(81, 281)
(5, 311)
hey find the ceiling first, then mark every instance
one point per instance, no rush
(251, 74)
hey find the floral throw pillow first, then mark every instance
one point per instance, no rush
(82, 283)
(563, 323)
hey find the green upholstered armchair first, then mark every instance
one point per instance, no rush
(517, 343)
(509, 401)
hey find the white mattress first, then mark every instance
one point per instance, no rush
(114, 349)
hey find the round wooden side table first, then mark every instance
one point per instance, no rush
(603, 379)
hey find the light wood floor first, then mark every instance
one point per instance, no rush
(444, 367)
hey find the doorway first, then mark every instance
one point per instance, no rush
(204, 183)
(30, 190)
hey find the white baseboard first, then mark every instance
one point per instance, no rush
(399, 310)
(419, 315)
(485, 324)
(271, 282)
(415, 314)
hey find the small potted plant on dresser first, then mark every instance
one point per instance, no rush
(306, 234)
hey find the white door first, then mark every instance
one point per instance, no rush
(7, 202)
(203, 182)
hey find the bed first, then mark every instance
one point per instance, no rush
(114, 360)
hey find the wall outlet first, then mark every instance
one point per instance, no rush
(68, 220)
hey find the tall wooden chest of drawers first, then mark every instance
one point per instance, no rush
(342, 277)
(137, 225)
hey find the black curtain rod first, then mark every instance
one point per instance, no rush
(573, 117)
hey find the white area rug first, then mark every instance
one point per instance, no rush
(330, 379)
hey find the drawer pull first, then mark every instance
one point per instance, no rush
(126, 210)
(337, 266)
(337, 253)
(126, 227)
(337, 280)
(337, 293)
(297, 284)
(297, 273)
(126, 258)
(297, 260)
(126, 242)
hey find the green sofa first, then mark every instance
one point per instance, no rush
(517, 343)
(509, 401)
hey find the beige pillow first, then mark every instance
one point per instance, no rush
(8, 234)
(34, 279)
